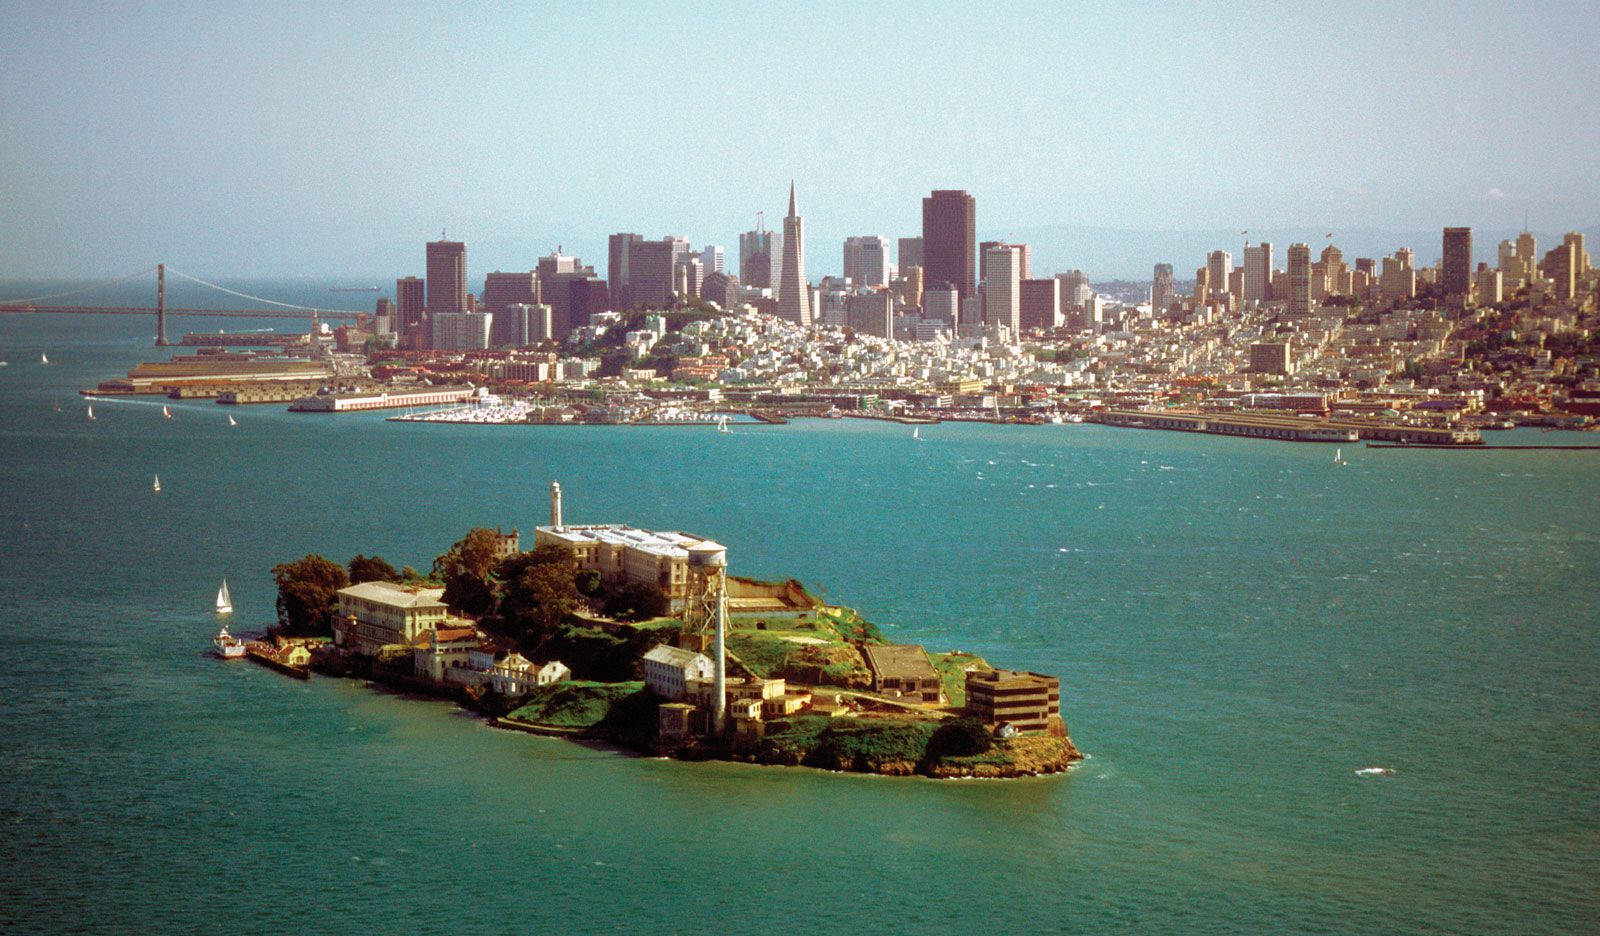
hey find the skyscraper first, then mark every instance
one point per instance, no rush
(409, 301)
(1041, 303)
(866, 260)
(1219, 267)
(756, 258)
(1257, 273)
(617, 267)
(1299, 279)
(1002, 288)
(556, 273)
(1074, 289)
(1560, 267)
(1161, 289)
(1580, 255)
(447, 276)
(711, 258)
(503, 289)
(949, 238)
(1455, 270)
(910, 253)
(794, 293)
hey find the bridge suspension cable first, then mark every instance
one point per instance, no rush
(81, 289)
(274, 302)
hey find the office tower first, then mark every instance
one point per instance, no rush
(908, 287)
(1560, 267)
(794, 293)
(687, 273)
(1027, 254)
(711, 258)
(1528, 253)
(1160, 289)
(949, 237)
(721, 289)
(1580, 256)
(1490, 284)
(1074, 288)
(1202, 286)
(757, 260)
(1299, 279)
(447, 276)
(1455, 270)
(1257, 273)
(942, 302)
(910, 253)
(1219, 266)
(587, 296)
(1330, 276)
(503, 289)
(617, 266)
(1002, 302)
(866, 260)
(871, 313)
(1510, 264)
(409, 301)
(556, 273)
(1041, 303)
(651, 279)
(1399, 280)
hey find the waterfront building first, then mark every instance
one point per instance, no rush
(374, 615)
(1024, 701)
(757, 259)
(908, 253)
(903, 669)
(516, 675)
(1041, 304)
(866, 260)
(441, 652)
(1299, 280)
(1271, 357)
(949, 239)
(1219, 269)
(1003, 287)
(794, 292)
(1455, 270)
(621, 552)
(447, 276)
(1160, 289)
(1257, 273)
(668, 669)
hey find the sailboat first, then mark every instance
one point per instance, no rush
(156, 486)
(232, 421)
(224, 600)
(44, 358)
(916, 433)
(166, 412)
(1338, 456)
(91, 412)
(722, 424)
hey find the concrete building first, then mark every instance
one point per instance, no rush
(871, 313)
(866, 260)
(1271, 357)
(1002, 303)
(1398, 281)
(460, 331)
(1257, 273)
(942, 302)
(1160, 289)
(1041, 304)
(903, 669)
(556, 273)
(1027, 258)
(1024, 701)
(758, 258)
(1219, 269)
(1490, 285)
(410, 302)
(1579, 254)
(1455, 270)
(621, 552)
(909, 253)
(794, 291)
(1075, 289)
(374, 615)
(711, 258)
(503, 289)
(949, 240)
(517, 675)
(1299, 280)
(1560, 267)
(617, 247)
(668, 669)
(447, 276)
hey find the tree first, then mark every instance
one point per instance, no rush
(371, 569)
(588, 582)
(634, 601)
(537, 592)
(308, 595)
(959, 737)
(465, 569)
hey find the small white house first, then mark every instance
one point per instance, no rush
(667, 670)
(516, 675)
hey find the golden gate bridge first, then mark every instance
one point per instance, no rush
(160, 310)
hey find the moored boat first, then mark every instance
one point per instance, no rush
(228, 646)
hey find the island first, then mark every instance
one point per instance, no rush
(641, 639)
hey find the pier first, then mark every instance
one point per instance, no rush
(1288, 428)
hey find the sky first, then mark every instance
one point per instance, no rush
(271, 139)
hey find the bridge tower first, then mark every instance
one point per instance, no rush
(161, 305)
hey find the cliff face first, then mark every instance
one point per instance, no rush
(1024, 756)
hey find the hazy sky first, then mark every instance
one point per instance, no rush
(264, 139)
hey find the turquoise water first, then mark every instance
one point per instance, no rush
(1238, 625)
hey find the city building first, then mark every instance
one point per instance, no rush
(617, 247)
(374, 615)
(871, 313)
(556, 273)
(1455, 270)
(502, 289)
(1023, 701)
(1560, 267)
(1075, 290)
(1490, 285)
(949, 240)
(410, 303)
(909, 253)
(1219, 269)
(758, 260)
(460, 331)
(1041, 304)
(1002, 298)
(1257, 273)
(1299, 280)
(1027, 258)
(711, 258)
(1161, 290)
(1398, 282)
(794, 292)
(941, 302)
(866, 260)
(447, 276)
(1271, 357)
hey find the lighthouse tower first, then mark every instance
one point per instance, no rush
(555, 505)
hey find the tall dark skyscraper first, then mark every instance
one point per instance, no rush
(409, 302)
(949, 240)
(756, 258)
(617, 267)
(503, 289)
(447, 276)
(1455, 271)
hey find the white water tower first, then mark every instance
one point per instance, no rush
(708, 579)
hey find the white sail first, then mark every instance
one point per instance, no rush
(224, 600)
(44, 358)
(166, 412)
(91, 412)
(156, 486)
(916, 433)
(232, 421)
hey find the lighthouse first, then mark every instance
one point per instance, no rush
(555, 505)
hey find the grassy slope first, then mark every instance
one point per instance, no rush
(574, 703)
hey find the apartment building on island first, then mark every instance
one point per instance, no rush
(1006, 699)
